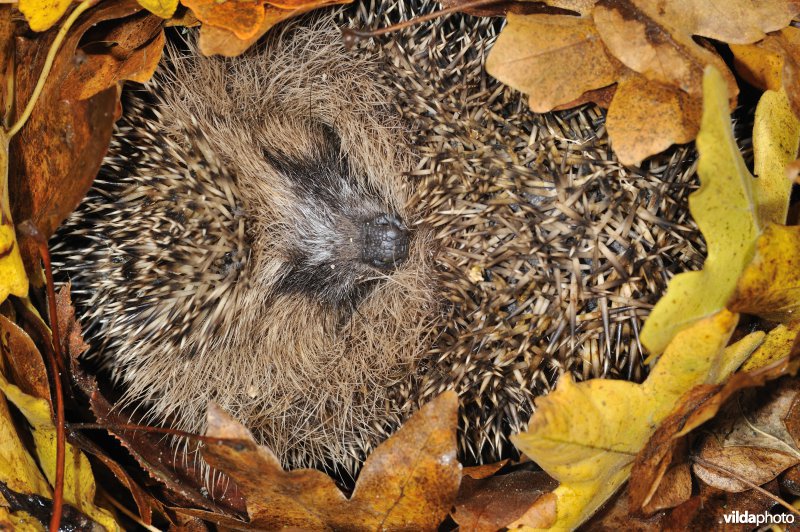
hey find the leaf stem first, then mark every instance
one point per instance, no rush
(48, 64)
(30, 230)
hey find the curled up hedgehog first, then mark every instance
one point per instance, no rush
(320, 241)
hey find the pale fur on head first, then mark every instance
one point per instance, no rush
(189, 256)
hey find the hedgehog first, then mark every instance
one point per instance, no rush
(322, 240)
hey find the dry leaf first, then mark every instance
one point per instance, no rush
(229, 28)
(492, 503)
(772, 63)
(523, 55)
(649, 47)
(47, 179)
(637, 104)
(696, 407)
(409, 482)
(130, 50)
(586, 435)
(750, 440)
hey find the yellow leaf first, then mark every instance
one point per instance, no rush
(776, 137)
(161, 8)
(587, 435)
(777, 345)
(726, 211)
(42, 14)
(770, 286)
(79, 486)
(13, 279)
(18, 470)
(19, 521)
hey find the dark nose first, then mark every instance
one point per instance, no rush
(385, 241)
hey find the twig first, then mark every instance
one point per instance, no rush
(350, 35)
(30, 230)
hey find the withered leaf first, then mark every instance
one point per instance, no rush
(529, 45)
(638, 104)
(648, 47)
(57, 154)
(409, 482)
(230, 28)
(492, 503)
(749, 439)
(25, 363)
(130, 50)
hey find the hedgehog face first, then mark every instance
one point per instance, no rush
(339, 236)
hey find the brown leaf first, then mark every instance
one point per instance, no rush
(615, 516)
(646, 117)
(707, 510)
(129, 50)
(675, 488)
(409, 482)
(57, 154)
(750, 440)
(529, 46)
(230, 28)
(652, 51)
(492, 503)
(485, 470)
(72, 341)
(243, 19)
(24, 360)
(655, 42)
(696, 407)
(182, 476)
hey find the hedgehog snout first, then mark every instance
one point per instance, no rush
(385, 241)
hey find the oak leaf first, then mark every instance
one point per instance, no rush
(47, 180)
(647, 48)
(586, 435)
(696, 407)
(772, 63)
(409, 482)
(731, 208)
(232, 26)
(750, 440)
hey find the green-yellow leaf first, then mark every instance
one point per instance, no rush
(79, 485)
(776, 137)
(161, 8)
(731, 208)
(42, 14)
(586, 435)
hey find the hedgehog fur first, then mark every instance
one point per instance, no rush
(534, 251)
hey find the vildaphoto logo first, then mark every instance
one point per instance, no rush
(746, 518)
